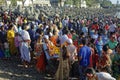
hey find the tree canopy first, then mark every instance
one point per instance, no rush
(103, 3)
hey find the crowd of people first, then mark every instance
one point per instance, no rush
(88, 49)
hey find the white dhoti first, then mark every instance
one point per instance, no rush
(25, 53)
(24, 47)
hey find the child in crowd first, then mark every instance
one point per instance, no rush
(17, 42)
(7, 51)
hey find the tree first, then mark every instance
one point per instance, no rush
(73, 2)
(76, 3)
(2, 2)
(91, 2)
(106, 3)
(13, 2)
(70, 2)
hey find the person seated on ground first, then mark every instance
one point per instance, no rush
(102, 75)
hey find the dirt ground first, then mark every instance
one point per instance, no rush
(13, 70)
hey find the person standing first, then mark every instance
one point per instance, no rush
(72, 50)
(62, 72)
(116, 63)
(2, 36)
(24, 46)
(41, 63)
(112, 43)
(84, 59)
(99, 45)
(10, 39)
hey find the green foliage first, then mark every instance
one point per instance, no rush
(69, 2)
(106, 3)
(13, 2)
(73, 2)
(2, 2)
(89, 3)
(76, 3)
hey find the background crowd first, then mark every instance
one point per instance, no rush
(64, 47)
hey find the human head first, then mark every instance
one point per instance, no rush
(90, 72)
(84, 41)
(105, 48)
(25, 27)
(46, 38)
(99, 38)
(112, 38)
(11, 27)
(69, 41)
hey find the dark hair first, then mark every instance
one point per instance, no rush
(84, 41)
(105, 48)
(64, 54)
(104, 68)
(82, 33)
(11, 26)
(90, 71)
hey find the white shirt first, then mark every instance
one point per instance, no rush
(25, 35)
(104, 76)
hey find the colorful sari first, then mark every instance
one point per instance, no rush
(10, 38)
(53, 39)
(53, 50)
(41, 64)
(63, 69)
(115, 67)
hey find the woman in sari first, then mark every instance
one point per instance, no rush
(116, 64)
(63, 68)
(40, 65)
(54, 38)
(104, 60)
(10, 38)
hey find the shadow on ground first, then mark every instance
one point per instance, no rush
(14, 70)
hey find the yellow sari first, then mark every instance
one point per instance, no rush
(10, 38)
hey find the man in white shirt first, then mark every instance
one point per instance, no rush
(25, 40)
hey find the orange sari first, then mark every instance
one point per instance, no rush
(53, 39)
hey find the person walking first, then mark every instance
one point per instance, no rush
(84, 59)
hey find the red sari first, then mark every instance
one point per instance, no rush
(41, 63)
